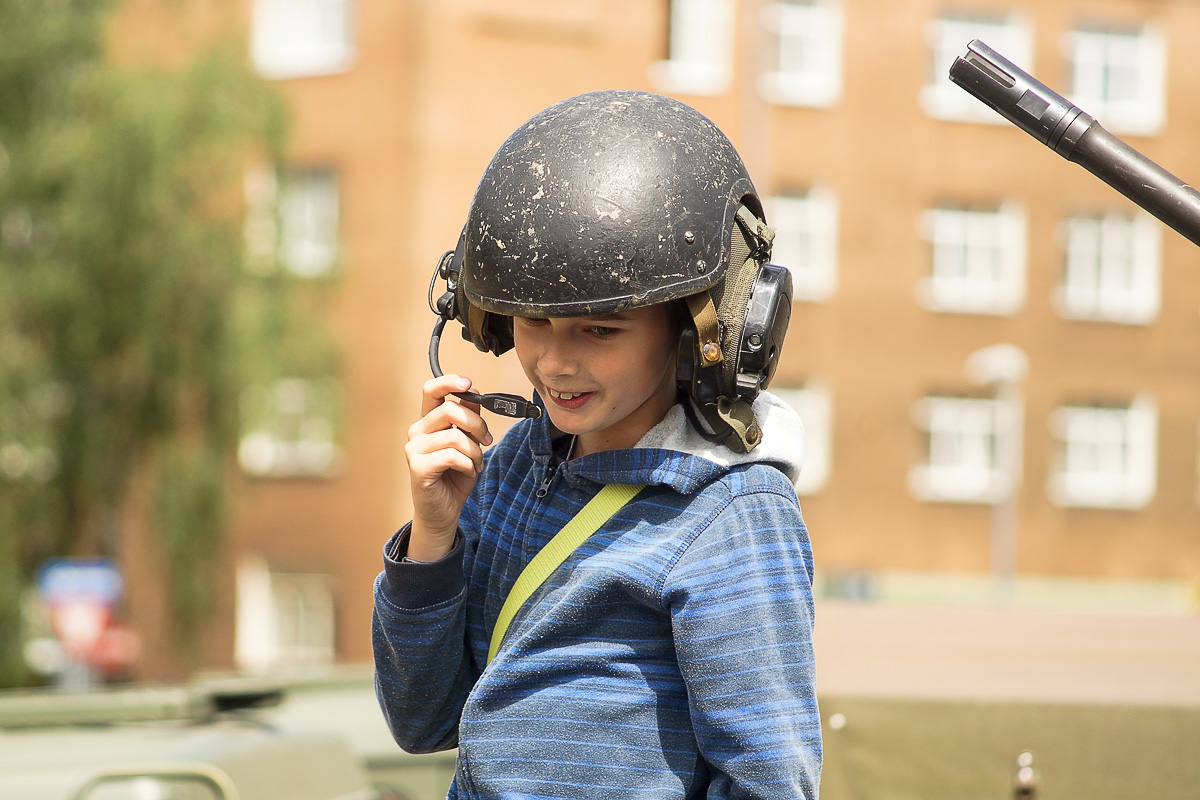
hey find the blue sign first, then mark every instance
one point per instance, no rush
(94, 580)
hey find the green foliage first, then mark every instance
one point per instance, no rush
(127, 321)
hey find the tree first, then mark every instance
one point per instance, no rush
(127, 321)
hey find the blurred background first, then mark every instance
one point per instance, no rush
(218, 224)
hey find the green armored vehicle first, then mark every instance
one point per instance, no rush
(231, 740)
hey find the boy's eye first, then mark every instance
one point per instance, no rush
(601, 331)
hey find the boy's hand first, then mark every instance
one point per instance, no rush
(445, 455)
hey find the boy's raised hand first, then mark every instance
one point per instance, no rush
(445, 455)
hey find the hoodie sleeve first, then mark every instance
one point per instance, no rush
(741, 606)
(423, 668)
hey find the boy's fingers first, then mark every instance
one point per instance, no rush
(430, 468)
(447, 442)
(435, 390)
(452, 414)
(430, 456)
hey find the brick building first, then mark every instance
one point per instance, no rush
(920, 227)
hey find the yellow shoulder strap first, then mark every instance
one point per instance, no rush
(589, 519)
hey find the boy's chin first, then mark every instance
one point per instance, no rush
(564, 423)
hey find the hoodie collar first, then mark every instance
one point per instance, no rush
(674, 453)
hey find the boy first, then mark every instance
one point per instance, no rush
(617, 243)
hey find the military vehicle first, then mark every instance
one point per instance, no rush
(212, 740)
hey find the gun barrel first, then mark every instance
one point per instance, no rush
(1076, 136)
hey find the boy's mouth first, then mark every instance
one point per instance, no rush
(569, 400)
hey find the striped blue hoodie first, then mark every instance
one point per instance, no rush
(670, 656)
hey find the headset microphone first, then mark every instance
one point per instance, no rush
(508, 405)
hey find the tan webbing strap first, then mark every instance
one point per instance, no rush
(743, 423)
(759, 234)
(708, 330)
(598, 510)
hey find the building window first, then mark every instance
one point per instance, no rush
(700, 48)
(807, 40)
(1113, 268)
(1106, 455)
(298, 38)
(948, 37)
(977, 259)
(290, 429)
(1119, 77)
(806, 241)
(309, 213)
(814, 405)
(961, 450)
(285, 620)
(298, 226)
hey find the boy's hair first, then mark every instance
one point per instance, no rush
(620, 199)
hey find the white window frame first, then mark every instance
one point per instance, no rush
(1119, 77)
(961, 459)
(807, 39)
(294, 222)
(947, 38)
(291, 429)
(310, 216)
(977, 259)
(700, 51)
(806, 241)
(285, 620)
(962, 456)
(1107, 455)
(1113, 269)
(301, 38)
(813, 402)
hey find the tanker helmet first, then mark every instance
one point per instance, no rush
(616, 200)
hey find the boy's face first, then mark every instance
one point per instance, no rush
(608, 379)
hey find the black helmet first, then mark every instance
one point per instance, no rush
(621, 199)
(604, 202)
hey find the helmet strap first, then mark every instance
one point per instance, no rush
(729, 419)
(744, 432)
(758, 234)
(729, 422)
(708, 328)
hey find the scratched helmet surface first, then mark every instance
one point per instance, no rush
(603, 202)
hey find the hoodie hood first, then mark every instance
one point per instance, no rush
(673, 452)
(782, 445)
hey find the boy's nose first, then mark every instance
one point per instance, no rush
(556, 358)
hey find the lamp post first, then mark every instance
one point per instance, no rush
(1004, 367)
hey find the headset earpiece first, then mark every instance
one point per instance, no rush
(490, 333)
(747, 314)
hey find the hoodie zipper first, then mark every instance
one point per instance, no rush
(555, 462)
(547, 479)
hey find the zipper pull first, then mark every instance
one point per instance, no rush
(555, 462)
(544, 489)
